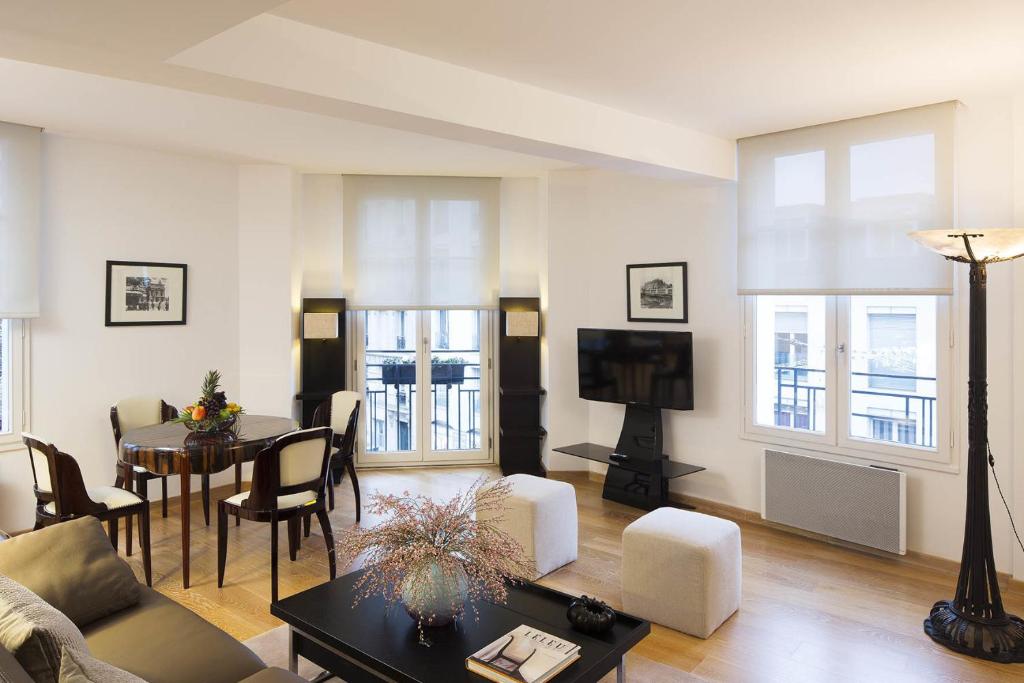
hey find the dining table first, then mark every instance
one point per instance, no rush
(170, 448)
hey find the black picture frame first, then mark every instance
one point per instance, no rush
(675, 313)
(116, 318)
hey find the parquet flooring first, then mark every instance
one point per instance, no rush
(811, 611)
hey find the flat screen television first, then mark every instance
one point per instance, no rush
(636, 367)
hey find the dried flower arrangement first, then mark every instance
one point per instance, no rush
(435, 557)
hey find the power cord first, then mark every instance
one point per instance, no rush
(992, 465)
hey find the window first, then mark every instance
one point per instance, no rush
(424, 402)
(861, 374)
(13, 388)
(790, 362)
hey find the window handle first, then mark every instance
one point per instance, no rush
(841, 348)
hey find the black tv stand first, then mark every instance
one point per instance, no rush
(641, 435)
(639, 482)
(638, 470)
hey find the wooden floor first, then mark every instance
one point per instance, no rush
(810, 611)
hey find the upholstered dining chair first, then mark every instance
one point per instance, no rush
(289, 479)
(61, 495)
(341, 413)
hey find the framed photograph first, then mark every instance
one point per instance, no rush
(141, 293)
(656, 292)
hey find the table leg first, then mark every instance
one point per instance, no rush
(293, 657)
(186, 499)
(620, 671)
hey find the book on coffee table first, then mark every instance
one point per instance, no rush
(524, 655)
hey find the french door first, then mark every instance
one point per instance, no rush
(424, 376)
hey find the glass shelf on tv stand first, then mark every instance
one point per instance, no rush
(669, 469)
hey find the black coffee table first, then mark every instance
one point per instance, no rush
(369, 643)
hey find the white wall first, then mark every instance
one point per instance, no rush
(520, 247)
(269, 281)
(323, 248)
(104, 202)
(601, 221)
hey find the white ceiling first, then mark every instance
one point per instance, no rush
(728, 67)
(130, 112)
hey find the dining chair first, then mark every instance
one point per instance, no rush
(61, 495)
(341, 413)
(289, 479)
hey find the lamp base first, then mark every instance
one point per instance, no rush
(998, 642)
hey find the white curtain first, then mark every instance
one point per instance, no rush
(20, 150)
(827, 209)
(420, 242)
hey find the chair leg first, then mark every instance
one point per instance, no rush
(238, 489)
(112, 531)
(129, 482)
(293, 537)
(163, 502)
(273, 557)
(206, 498)
(147, 555)
(142, 488)
(351, 467)
(330, 488)
(325, 526)
(306, 523)
(222, 541)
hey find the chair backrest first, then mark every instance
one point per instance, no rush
(343, 404)
(139, 411)
(58, 478)
(294, 462)
(341, 413)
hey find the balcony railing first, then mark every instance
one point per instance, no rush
(906, 417)
(391, 406)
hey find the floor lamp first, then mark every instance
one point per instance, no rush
(974, 621)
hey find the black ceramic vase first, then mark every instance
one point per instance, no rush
(590, 616)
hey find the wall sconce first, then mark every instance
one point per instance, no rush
(522, 324)
(319, 325)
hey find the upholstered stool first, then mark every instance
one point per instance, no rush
(682, 570)
(541, 516)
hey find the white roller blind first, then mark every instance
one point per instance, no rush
(827, 209)
(20, 151)
(420, 241)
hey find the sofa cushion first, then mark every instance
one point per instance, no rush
(78, 667)
(73, 567)
(34, 631)
(10, 670)
(274, 675)
(163, 642)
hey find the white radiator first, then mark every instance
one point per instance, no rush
(855, 503)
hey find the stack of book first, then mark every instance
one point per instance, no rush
(525, 655)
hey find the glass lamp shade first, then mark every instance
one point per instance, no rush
(988, 245)
(320, 326)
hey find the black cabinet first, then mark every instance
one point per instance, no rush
(521, 434)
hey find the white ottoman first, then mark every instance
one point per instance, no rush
(541, 516)
(682, 570)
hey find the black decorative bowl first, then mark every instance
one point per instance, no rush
(590, 616)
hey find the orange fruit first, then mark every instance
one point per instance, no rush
(198, 413)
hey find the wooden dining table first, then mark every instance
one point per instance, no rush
(170, 448)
